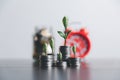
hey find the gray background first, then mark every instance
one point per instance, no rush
(18, 19)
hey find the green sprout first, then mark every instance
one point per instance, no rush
(74, 50)
(45, 48)
(65, 22)
(60, 56)
(65, 33)
(52, 44)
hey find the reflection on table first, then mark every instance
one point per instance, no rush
(88, 70)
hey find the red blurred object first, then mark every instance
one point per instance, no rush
(81, 40)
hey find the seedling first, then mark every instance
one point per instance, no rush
(65, 33)
(60, 57)
(74, 50)
(45, 48)
(52, 44)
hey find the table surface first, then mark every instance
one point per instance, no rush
(89, 70)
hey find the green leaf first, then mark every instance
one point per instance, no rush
(74, 49)
(45, 48)
(68, 32)
(65, 22)
(52, 44)
(60, 56)
(65, 36)
(61, 34)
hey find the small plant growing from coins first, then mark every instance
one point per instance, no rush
(65, 50)
(52, 44)
(65, 33)
(74, 50)
(59, 56)
(45, 49)
(74, 61)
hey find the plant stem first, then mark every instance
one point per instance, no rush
(65, 37)
(65, 43)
